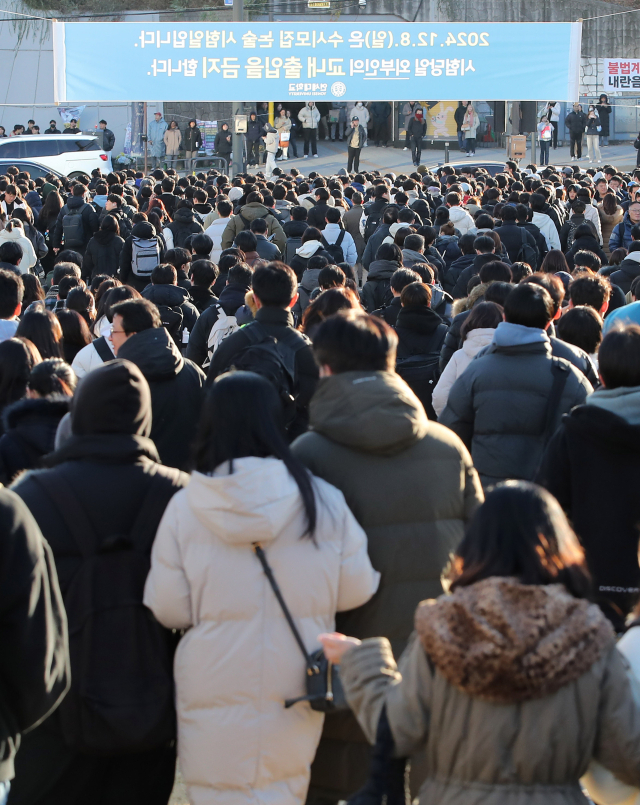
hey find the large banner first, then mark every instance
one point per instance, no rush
(621, 75)
(242, 61)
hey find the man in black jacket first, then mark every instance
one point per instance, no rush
(165, 293)
(458, 266)
(275, 293)
(399, 280)
(595, 456)
(389, 217)
(231, 298)
(485, 248)
(523, 215)
(513, 237)
(108, 137)
(108, 466)
(142, 231)
(89, 223)
(34, 663)
(175, 382)
(628, 269)
(575, 122)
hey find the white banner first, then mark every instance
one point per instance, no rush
(621, 75)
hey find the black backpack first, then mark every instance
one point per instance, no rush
(73, 227)
(172, 319)
(421, 372)
(273, 358)
(290, 249)
(121, 695)
(527, 253)
(335, 249)
(372, 223)
(382, 294)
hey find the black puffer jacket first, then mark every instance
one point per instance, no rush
(174, 296)
(420, 331)
(124, 224)
(460, 290)
(184, 224)
(102, 255)
(231, 298)
(144, 231)
(176, 392)
(374, 289)
(29, 434)
(90, 224)
(626, 272)
(455, 269)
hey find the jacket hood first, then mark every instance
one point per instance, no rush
(36, 420)
(100, 201)
(14, 234)
(516, 335)
(508, 642)
(103, 237)
(624, 402)
(183, 216)
(170, 295)
(382, 269)
(422, 320)
(154, 352)
(477, 339)
(309, 279)
(413, 256)
(375, 412)
(219, 501)
(254, 210)
(232, 297)
(33, 199)
(73, 202)
(114, 398)
(144, 230)
(308, 249)
(631, 258)
(456, 214)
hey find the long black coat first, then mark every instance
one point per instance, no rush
(592, 466)
(102, 255)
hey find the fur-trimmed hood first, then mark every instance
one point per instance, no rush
(508, 642)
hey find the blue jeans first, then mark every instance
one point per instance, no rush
(4, 792)
(604, 139)
(544, 151)
(461, 140)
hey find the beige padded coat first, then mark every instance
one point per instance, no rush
(508, 691)
(239, 661)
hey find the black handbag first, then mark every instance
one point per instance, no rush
(324, 689)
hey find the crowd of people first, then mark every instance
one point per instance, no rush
(323, 485)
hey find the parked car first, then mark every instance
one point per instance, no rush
(35, 169)
(67, 154)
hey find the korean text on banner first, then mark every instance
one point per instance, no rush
(621, 75)
(316, 61)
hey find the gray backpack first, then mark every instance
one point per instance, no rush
(145, 256)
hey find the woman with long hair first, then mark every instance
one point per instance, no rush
(239, 661)
(554, 261)
(325, 305)
(43, 329)
(513, 683)
(46, 223)
(17, 359)
(75, 333)
(33, 291)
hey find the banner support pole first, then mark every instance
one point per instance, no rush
(146, 144)
(237, 143)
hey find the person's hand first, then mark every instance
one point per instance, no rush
(336, 645)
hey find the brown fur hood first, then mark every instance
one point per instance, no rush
(508, 642)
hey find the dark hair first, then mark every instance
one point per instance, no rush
(164, 274)
(553, 262)
(466, 244)
(520, 531)
(63, 270)
(242, 416)
(582, 327)
(110, 224)
(11, 293)
(352, 341)
(33, 291)
(178, 257)
(426, 272)
(43, 329)
(519, 271)
(119, 293)
(137, 315)
(415, 295)
(403, 277)
(75, 330)
(326, 304)
(331, 277)
(592, 289)
(53, 376)
(552, 284)
(203, 273)
(617, 256)
(17, 360)
(67, 283)
(310, 233)
(414, 242)
(274, 284)
(484, 244)
(619, 357)
(81, 300)
(588, 259)
(497, 292)
(391, 252)
(246, 241)
(11, 252)
(69, 256)
(530, 305)
(495, 271)
(201, 244)
(224, 208)
(609, 203)
(484, 315)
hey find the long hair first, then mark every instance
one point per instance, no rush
(242, 416)
(16, 363)
(521, 531)
(553, 262)
(43, 329)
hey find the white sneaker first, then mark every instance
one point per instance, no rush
(366, 145)
(315, 156)
(405, 149)
(306, 156)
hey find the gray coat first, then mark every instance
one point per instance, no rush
(498, 405)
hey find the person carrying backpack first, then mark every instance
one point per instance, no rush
(272, 347)
(219, 319)
(177, 311)
(519, 243)
(183, 225)
(376, 292)
(99, 506)
(337, 241)
(142, 252)
(77, 222)
(254, 208)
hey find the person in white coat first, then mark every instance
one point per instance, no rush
(364, 116)
(309, 116)
(544, 222)
(239, 661)
(216, 229)
(271, 144)
(477, 332)
(458, 216)
(14, 231)
(332, 232)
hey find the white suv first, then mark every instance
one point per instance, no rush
(68, 154)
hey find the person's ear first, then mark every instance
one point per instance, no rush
(325, 371)
(18, 309)
(294, 299)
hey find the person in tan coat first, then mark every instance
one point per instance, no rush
(172, 140)
(239, 661)
(512, 683)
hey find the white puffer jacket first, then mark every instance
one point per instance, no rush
(239, 661)
(87, 360)
(473, 343)
(461, 219)
(309, 116)
(215, 230)
(29, 258)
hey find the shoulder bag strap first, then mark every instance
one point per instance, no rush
(560, 377)
(70, 509)
(340, 239)
(259, 552)
(102, 348)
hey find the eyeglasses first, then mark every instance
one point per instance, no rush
(113, 332)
